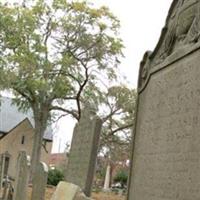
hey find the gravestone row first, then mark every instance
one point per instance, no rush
(20, 189)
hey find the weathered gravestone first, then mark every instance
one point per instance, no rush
(1, 171)
(82, 158)
(166, 149)
(68, 191)
(22, 177)
(40, 182)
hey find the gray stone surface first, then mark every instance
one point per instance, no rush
(68, 191)
(1, 171)
(22, 176)
(40, 182)
(82, 158)
(166, 150)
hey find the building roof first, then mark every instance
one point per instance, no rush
(10, 117)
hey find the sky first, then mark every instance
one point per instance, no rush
(141, 24)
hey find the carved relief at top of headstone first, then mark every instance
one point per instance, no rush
(182, 29)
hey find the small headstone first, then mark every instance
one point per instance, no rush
(22, 177)
(68, 191)
(40, 182)
(83, 153)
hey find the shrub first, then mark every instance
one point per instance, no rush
(55, 176)
(121, 177)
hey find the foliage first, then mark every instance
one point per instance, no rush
(118, 119)
(121, 177)
(51, 52)
(120, 104)
(55, 176)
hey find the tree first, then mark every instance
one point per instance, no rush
(118, 115)
(119, 105)
(50, 52)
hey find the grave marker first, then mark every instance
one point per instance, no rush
(166, 150)
(1, 170)
(83, 153)
(40, 180)
(22, 177)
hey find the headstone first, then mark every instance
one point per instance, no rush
(40, 182)
(1, 171)
(166, 148)
(83, 153)
(68, 191)
(106, 186)
(22, 177)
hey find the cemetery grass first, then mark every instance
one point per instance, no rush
(95, 196)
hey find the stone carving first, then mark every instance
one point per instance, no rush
(183, 26)
(82, 158)
(144, 69)
(182, 29)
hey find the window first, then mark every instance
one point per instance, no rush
(23, 139)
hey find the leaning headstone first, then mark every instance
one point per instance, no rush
(166, 149)
(83, 153)
(22, 177)
(68, 191)
(40, 182)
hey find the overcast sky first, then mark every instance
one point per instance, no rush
(141, 24)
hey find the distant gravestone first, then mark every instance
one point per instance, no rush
(83, 153)
(166, 148)
(1, 170)
(22, 177)
(40, 182)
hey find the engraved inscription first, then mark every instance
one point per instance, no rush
(166, 161)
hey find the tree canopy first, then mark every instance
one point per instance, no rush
(50, 52)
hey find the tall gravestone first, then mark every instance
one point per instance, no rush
(22, 177)
(40, 182)
(83, 153)
(166, 149)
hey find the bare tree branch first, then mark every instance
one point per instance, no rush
(70, 112)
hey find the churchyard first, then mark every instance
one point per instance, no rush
(165, 150)
(95, 196)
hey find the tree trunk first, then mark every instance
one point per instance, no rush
(37, 146)
(40, 126)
